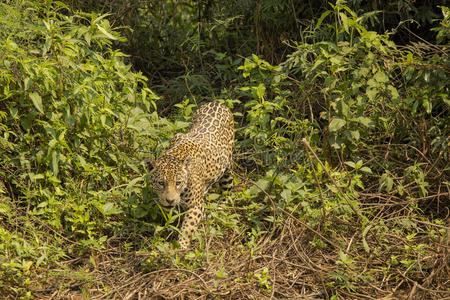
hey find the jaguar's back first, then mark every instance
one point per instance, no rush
(213, 129)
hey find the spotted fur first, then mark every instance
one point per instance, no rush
(182, 175)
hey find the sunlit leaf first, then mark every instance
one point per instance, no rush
(37, 101)
(106, 33)
(336, 124)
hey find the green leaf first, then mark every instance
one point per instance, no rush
(37, 101)
(427, 105)
(260, 91)
(37, 176)
(110, 209)
(366, 245)
(190, 255)
(371, 93)
(317, 63)
(394, 93)
(365, 121)
(4, 209)
(400, 189)
(322, 17)
(133, 182)
(350, 164)
(88, 37)
(260, 184)
(386, 182)
(359, 164)
(366, 170)
(366, 230)
(41, 259)
(106, 33)
(336, 124)
(355, 135)
(141, 212)
(286, 194)
(103, 120)
(343, 108)
(381, 77)
(344, 21)
(344, 257)
(212, 196)
(55, 161)
(221, 273)
(335, 142)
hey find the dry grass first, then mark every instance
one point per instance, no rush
(282, 265)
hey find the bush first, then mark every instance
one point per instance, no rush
(374, 116)
(74, 119)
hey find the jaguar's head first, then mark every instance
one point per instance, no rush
(168, 177)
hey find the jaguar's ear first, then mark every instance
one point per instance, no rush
(149, 163)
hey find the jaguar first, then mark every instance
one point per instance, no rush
(182, 175)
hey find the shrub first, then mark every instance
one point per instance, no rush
(73, 120)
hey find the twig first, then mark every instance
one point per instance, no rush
(308, 147)
(324, 211)
(290, 215)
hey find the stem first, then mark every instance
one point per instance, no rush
(308, 147)
(336, 12)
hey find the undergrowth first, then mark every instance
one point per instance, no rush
(341, 166)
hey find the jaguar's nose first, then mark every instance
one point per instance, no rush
(170, 202)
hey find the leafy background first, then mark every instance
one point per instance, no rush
(341, 165)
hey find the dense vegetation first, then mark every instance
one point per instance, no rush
(341, 167)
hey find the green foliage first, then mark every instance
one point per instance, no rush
(73, 117)
(365, 82)
(368, 94)
(443, 31)
(341, 147)
(181, 39)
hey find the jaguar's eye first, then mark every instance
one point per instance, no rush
(161, 183)
(178, 183)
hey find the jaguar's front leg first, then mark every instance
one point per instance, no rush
(190, 224)
(193, 199)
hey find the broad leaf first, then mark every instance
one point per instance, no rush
(37, 101)
(336, 124)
